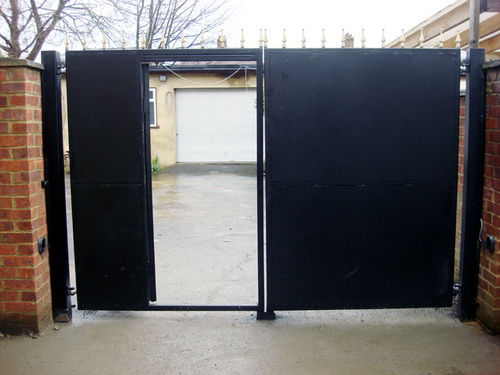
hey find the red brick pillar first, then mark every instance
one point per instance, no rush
(25, 298)
(489, 269)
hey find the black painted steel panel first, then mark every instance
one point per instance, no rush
(106, 118)
(361, 169)
(111, 273)
(109, 174)
(367, 115)
(354, 247)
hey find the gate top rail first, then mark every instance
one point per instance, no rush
(159, 55)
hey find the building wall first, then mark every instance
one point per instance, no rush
(488, 311)
(163, 136)
(25, 296)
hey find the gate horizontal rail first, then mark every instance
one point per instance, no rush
(202, 308)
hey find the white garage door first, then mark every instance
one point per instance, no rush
(216, 125)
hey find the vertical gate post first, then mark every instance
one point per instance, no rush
(473, 184)
(54, 184)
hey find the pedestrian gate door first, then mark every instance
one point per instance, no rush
(360, 176)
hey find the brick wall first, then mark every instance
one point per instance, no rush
(25, 298)
(489, 269)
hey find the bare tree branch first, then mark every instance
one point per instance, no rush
(171, 17)
(46, 29)
(25, 25)
(5, 17)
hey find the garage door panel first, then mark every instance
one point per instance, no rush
(216, 125)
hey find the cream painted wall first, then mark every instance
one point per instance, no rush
(64, 106)
(163, 137)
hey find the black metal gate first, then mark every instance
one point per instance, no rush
(361, 169)
(111, 175)
(109, 181)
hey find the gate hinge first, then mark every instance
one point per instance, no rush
(465, 67)
(61, 69)
(457, 289)
(71, 291)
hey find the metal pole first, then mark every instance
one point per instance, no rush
(260, 182)
(473, 185)
(55, 191)
(474, 23)
(262, 313)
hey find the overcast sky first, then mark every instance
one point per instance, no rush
(315, 15)
(331, 15)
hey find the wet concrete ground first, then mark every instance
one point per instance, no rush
(209, 258)
(376, 342)
(205, 227)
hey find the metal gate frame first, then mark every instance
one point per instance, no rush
(52, 115)
(54, 184)
(361, 177)
(141, 59)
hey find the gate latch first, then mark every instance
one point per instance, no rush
(487, 242)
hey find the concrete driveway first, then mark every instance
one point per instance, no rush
(205, 228)
(205, 247)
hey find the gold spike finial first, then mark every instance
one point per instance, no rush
(363, 39)
(162, 39)
(84, 42)
(343, 39)
(441, 43)
(124, 41)
(421, 40)
(284, 38)
(323, 38)
(265, 38)
(183, 40)
(67, 42)
(104, 41)
(202, 40)
(303, 38)
(261, 39)
(143, 40)
(242, 39)
(458, 40)
(221, 40)
(402, 39)
(383, 38)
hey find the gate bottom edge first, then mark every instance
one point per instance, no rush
(203, 308)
